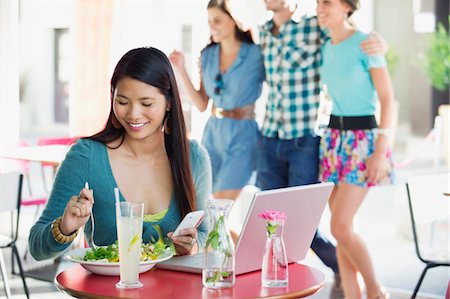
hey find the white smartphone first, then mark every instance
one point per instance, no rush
(192, 219)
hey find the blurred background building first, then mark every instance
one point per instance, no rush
(57, 56)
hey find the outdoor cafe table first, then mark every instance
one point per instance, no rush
(52, 154)
(79, 282)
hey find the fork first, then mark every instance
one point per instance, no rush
(86, 185)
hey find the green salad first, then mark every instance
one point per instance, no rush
(150, 251)
(110, 253)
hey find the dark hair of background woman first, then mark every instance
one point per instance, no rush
(354, 5)
(152, 66)
(223, 5)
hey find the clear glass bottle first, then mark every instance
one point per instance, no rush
(274, 270)
(218, 267)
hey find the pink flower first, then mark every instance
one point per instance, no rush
(273, 215)
(273, 220)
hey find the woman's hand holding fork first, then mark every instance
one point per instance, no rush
(77, 211)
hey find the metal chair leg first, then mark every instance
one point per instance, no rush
(12, 234)
(4, 276)
(22, 275)
(424, 271)
(13, 265)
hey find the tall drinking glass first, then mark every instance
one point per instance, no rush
(129, 216)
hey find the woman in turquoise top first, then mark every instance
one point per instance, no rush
(354, 150)
(144, 151)
(232, 73)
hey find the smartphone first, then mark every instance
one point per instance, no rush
(192, 219)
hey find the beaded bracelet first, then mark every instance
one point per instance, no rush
(58, 235)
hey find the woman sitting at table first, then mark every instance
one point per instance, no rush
(144, 151)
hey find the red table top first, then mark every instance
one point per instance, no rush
(158, 283)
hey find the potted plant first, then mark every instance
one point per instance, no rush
(436, 63)
(392, 59)
(437, 58)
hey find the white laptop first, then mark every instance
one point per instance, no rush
(303, 205)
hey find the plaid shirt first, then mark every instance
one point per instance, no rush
(292, 61)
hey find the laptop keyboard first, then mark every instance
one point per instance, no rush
(197, 259)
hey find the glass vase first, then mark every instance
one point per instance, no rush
(274, 270)
(218, 267)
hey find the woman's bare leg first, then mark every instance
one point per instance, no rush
(347, 270)
(352, 250)
(349, 275)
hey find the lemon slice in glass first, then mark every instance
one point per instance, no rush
(133, 242)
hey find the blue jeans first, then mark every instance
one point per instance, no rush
(287, 163)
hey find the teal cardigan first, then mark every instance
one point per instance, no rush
(87, 161)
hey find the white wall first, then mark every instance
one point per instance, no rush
(9, 79)
(394, 21)
(38, 19)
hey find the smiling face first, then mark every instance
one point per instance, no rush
(332, 13)
(221, 25)
(139, 108)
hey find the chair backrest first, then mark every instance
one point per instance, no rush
(11, 195)
(10, 191)
(25, 165)
(56, 140)
(430, 215)
(53, 141)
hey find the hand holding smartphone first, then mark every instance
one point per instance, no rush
(192, 219)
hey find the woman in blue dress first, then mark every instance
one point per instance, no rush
(232, 73)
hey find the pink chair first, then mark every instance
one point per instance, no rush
(31, 200)
(56, 140)
(39, 201)
(52, 141)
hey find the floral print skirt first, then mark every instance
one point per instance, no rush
(343, 155)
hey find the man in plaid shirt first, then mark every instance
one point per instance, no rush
(288, 149)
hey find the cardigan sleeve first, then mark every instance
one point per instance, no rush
(201, 170)
(69, 180)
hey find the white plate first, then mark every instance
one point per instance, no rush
(110, 269)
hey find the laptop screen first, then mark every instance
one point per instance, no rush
(303, 206)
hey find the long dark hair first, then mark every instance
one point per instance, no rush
(241, 35)
(151, 66)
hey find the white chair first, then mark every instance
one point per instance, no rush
(429, 203)
(10, 202)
